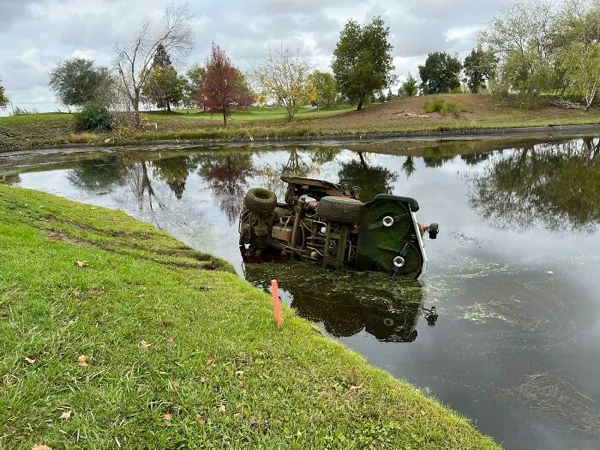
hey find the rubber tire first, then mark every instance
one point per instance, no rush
(260, 201)
(341, 210)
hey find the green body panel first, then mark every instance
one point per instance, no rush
(378, 245)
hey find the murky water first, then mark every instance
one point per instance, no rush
(514, 273)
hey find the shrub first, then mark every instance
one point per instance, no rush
(443, 106)
(93, 117)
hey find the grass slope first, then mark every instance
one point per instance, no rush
(180, 352)
(407, 115)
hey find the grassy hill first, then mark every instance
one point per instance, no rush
(114, 335)
(473, 112)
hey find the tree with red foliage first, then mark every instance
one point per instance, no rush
(224, 87)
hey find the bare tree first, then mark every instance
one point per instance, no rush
(133, 60)
(284, 76)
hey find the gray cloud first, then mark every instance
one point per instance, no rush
(51, 30)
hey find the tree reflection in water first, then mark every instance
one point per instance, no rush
(300, 163)
(99, 175)
(372, 180)
(174, 171)
(556, 184)
(227, 175)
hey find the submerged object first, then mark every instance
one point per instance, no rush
(326, 223)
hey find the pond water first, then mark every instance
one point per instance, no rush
(514, 274)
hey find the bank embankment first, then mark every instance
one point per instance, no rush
(115, 335)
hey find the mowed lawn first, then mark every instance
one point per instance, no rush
(476, 112)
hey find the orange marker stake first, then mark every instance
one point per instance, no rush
(276, 303)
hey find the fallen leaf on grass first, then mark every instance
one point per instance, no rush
(202, 380)
(168, 416)
(222, 409)
(66, 415)
(253, 420)
(81, 264)
(210, 362)
(241, 384)
(30, 360)
(145, 344)
(238, 415)
(41, 447)
(83, 360)
(239, 373)
(174, 384)
(170, 339)
(201, 420)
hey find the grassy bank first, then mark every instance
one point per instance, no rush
(473, 112)
(152, 345)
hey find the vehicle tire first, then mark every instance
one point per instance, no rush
(260, 201)
(342, 210)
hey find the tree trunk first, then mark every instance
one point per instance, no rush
(224, 117)
(168, 106)
(592, 96)
(360, 103)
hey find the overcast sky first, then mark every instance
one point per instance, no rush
(37, 34)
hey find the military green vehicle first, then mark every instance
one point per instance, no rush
(327, 224)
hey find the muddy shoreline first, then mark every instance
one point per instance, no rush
(566, 131)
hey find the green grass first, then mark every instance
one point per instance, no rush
(181, 352)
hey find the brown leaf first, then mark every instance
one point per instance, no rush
(30, 360)
(66, 415)
(238, 415)
(41, 447)
(168, 416)
(210, 362)
(239, 373)
(170, 339)
(254, 420)
(81, 264)
(83, 360)
(222, 409)
(241, 384)
(174, 384)
(202, 380)
(145, 344)
(201, 420)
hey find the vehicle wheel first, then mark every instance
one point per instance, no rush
(342, 210)
(260, 201)
(434, 229)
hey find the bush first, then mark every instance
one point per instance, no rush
(443, 106)
(93, 117)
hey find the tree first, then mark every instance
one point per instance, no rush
(410, 87)
(373, 180)
(577, 38)
(163, 87)
(325, 88)
(134, 59)
(284, 76)
(194, 86)
(362, 61)
(440, 73)
(480, 66)
(521, 38)
(223, 85)
(77, 81)
(3, 97)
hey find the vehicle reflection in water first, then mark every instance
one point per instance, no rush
(346, 303)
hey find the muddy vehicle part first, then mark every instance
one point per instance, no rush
(341, 210)
(260, 201)
(389, 239)
(326, 224)
(433, 230)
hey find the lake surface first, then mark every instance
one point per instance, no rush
(514, 274)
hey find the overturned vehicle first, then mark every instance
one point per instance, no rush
(326, 223)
